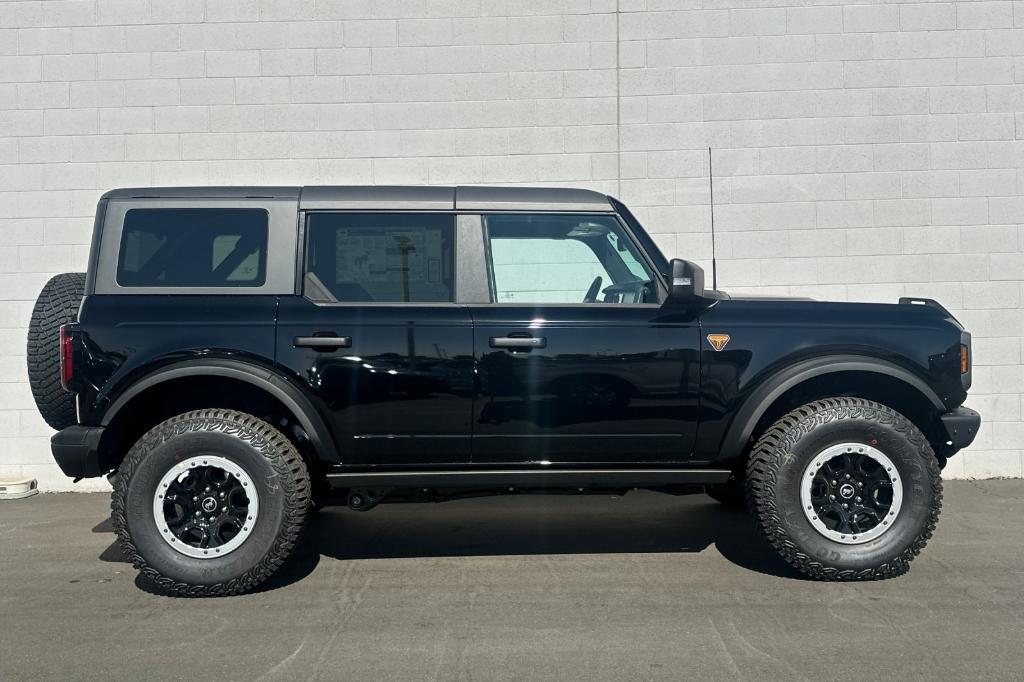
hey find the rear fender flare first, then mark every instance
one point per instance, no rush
(279, 387)
(771, 389)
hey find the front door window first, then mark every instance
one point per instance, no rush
(558, 259)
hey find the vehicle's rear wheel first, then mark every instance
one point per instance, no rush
(210, 502)
(57, 305)
(845, 489)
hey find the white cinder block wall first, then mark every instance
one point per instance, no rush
(864, 150)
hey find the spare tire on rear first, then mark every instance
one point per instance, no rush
(57, 304)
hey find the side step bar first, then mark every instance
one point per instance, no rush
(538, 478)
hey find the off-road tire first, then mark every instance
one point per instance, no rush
(777, 463)
(730, 494)
(57, 304)
(271, 461)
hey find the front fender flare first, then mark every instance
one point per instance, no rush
(265, 379)
(742, 426)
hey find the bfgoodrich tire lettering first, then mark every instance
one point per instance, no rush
(780, 457)
(270, 460)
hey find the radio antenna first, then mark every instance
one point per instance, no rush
(711, 194)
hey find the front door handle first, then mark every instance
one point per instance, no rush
(323, 343)
(519, 342)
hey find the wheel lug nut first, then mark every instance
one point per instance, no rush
(845, 505)
(847, 478)
(195, 499)
(832, 497)
(857, 499)
(834, 482)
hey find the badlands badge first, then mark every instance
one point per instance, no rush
(718, 341)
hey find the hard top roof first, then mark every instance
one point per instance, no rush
(409, 197)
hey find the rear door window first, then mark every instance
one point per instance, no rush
(193, 247)
(380, 258)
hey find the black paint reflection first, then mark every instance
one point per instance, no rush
(612, 383)
(403, 392)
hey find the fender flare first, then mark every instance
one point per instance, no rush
(770, 390)
(279, 387)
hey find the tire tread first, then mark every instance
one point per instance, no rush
(767, 458)
(268, 441)
(57, 305)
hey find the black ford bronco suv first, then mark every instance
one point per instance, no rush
(235, 357)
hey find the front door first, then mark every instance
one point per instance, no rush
(578, 360)
(377, 338)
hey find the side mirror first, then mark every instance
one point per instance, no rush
(687, 283)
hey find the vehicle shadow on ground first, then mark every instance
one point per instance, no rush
(525, 525)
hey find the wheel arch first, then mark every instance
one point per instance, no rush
(241, 380)
(831, 376)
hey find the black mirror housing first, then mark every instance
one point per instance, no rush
(687, 284)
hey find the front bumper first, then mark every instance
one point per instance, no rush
(76, 450)
(961, 427)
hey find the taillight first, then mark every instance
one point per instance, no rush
(67, 358)
(965, 359)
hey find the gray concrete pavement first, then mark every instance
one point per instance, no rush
(644, 586)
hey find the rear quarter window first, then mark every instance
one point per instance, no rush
(193, 247)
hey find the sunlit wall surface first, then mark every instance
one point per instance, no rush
(863, 151)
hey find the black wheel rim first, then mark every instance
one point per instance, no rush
(851, 492)
(205, 506)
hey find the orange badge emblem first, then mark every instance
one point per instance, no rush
(718, 341)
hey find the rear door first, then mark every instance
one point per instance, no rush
(377, 337)
(578, 360)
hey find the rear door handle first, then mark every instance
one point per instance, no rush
(521, 342)
(323, 343)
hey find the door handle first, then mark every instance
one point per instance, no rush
(323, 343)
(520, 342)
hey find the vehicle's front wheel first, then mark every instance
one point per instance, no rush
(845, 489)
(210, 502)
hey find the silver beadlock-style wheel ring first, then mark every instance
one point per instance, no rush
(851, 493)
(205, 507)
